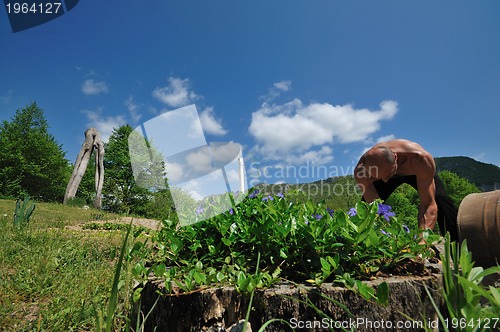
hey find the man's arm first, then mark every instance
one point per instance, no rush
(365, 184)
(427, 212)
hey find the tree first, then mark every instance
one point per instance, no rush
(142, 189)
(31, 161)
(343, 193)
(121, 192)
(405, 202)
(457, 187)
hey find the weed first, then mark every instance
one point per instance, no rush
(470, 305)
(23, 212)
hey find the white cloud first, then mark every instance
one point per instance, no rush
(103, 124)
(200, 161)
(385, 138)
(194, 188)
(174, 171)
(133, 109)
(283, 85)
(210, 124)
(320, 157)
(93, 88)
(276, 90)
(176, 94)
(293, 128)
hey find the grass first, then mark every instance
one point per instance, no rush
(53, 278)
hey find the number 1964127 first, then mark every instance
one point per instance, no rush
(33, 8)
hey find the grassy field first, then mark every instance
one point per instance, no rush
(53, 276)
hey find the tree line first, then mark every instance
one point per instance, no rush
(33, 163)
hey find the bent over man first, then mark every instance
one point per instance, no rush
(387, 165)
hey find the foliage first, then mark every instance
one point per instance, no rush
(111, 226)
(470, 305)
(297, 241)
(340, 193)
(31, 161)
(121, 193)
(23, 212)
(161, 204)
(76, 201)
(105, 318)
(484, 176)
(457, 187)
(405, 202)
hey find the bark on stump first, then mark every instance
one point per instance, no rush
(220, 309)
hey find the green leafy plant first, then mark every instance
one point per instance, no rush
(470, 305)
(105, 317)
(23, 212)
(298, 241)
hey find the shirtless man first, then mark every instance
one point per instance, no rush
(387, 165)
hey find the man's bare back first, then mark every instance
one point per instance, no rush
(396, 158)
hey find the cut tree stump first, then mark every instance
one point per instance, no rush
(221, 309)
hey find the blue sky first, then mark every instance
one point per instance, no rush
(296, 83)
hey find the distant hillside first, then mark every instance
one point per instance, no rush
(485, 176)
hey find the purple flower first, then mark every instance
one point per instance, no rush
(330, 211)
(352, 212)
(231, 211)
(384, 210)
(384, 232)
(317, 216)
(199, 210)
(267, 198)
(406, 228)
(280, 195)
(254, 194)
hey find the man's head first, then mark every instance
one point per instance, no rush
(380, 162)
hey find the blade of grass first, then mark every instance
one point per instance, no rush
(114, 290)
(247, 317)
(436, 307)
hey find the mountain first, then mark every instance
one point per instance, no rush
(485, 176)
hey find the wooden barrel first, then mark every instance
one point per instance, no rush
(479, 224)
